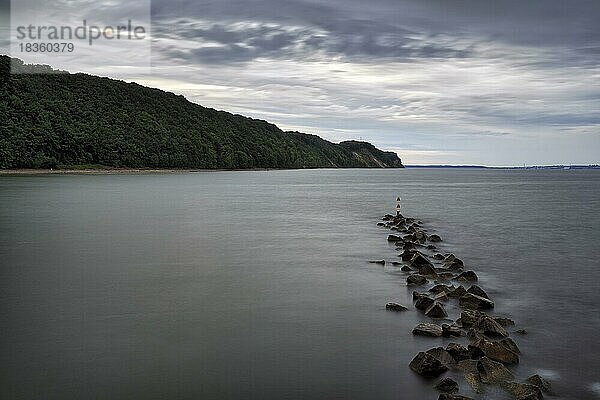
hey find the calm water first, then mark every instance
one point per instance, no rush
(254, 285)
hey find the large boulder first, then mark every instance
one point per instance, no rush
(511, 345)
(476, 290)
(447, 385)
(395, 307)
(491, 371)
(469, 317)
(407, 255)
(489, 326)
(458, 351)
(441, 354)
(416, 279)
(438, 256)
(495, 350)
(423, 303)
(441, 288)
(427, 329)
(467, 276)
(451, 330)
(420, 260)
(525, 391)
(436, 310)
(475, 302)
(458, 292)
(427, 365)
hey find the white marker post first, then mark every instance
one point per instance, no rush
(398, 206)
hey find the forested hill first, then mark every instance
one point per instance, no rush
(65, 120)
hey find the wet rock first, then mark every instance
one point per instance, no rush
(396, 263)
(395, 307)
(423, 303)
(441, 296)
(457, 351)
(504, 321)
(447, 385)
(380, 224)
(445, 275)
(493, 372)
(458, 292)
(417, 295)
(427, 329)
(511, 345)
(521, 331)
(438, 256)
(475, 302)
(427, 365)
(419, 260)
(441, 288)
(420, 237)
(436, 310)
(406, 268)
(474, 380)
(449, 396)
(407, 255)
(468, 366)
(467, 276)
(441, 354)
(541, 383)
(496, 351)
(523, 391)
(434, 238)
(428, 270)
(476, 290)
(388, 217)
(489, 326)
(451, 330)
(381, 262)
(416, 279)
(394, 238)
(431, 247)
(469, 317)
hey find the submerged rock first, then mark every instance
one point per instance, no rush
(447, 385)
(427, 365)
(523, 391)
(475, 302)
(395, 307)
(541, 383)
(492, 372)
(382, 262)
(436, 310)
(416, 279)
(427, 329)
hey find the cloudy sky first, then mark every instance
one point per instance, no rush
(440, 82)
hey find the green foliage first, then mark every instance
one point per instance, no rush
(60, 120)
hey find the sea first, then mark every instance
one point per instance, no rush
(257, 284)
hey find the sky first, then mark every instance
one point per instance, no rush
(440, 82)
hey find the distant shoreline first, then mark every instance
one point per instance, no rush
(117, 171)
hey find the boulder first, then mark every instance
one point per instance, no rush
(541, 383)
(489, 326)
(469, 317)
(496, 351)
(447, 385)
(475, 302)
(504, 321)
(431, 247)
(467, 276)
(457, 351)
(394, 238)
(454, 266)
(438, 256)
(423, 303)
(427, 365)
(458, 292)
(523, 390)
(407, 255)
(449, 258)
(388, 217)
(427, 270)
(474, 380)
(395, 307)
(436, 310)
(396, 263)
(451, 330)
(431, 330)
(382, 262)
(416, 279)
(420, 237)
(441, 354)
(434, 238)
(493, 372)
(441, 288)
(511, 345)
(441, 296)
(468, 366)
(406, 268)
(420, 260)
(476, 290)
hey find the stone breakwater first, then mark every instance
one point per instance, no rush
(482, 351)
